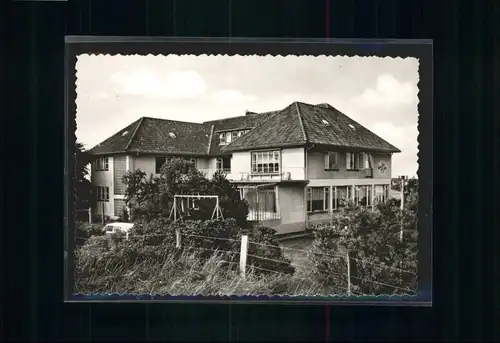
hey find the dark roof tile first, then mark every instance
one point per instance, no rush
(117, 142)
(301, 123)
(282, 128)
(297, 124)
(246, 122)
(326, 125)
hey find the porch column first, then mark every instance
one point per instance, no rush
(331, 195)
(277, 197)
(353, 189)
(373, 195)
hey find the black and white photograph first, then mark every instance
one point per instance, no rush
(246, 175)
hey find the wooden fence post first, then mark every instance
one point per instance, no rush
(243, 255)
(352, 271)
(177, 238)
(90, 215)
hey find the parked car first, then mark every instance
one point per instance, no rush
(116, 227)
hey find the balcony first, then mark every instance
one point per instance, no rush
(287, 174)
(209, 172)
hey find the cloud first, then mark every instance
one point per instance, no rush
(388, 92)
(183, 84)
(399, 136)
(231, 96)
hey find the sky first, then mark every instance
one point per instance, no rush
(379, 93)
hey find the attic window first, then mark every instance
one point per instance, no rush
(222, 138)
(171, 134)
(124, 133)
(352, 126)
(325, 122)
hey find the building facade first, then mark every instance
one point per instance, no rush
(295, 166)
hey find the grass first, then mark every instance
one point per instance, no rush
(185, 274)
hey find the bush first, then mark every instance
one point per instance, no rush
(86, 230)
(377, 254)
(265, 252)
(151, 197)
(106, 263)
(103, 266)
(217, 235)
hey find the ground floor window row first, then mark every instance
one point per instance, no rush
(319, 198)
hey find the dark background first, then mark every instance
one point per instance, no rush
(466, 266)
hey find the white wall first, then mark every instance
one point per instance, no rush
(292, 161)
(145, 164)
(240, 163)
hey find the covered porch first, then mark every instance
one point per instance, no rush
(326, 198)
(279, 205)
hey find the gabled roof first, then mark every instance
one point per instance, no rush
(281, 128)
(248, 121)
(300, 124)
(296, 125)
(152, 135)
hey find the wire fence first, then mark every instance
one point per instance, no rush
(245, 268)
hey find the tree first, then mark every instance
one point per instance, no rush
(83, 189)
(155, 196)
(411, 187)
(381, 262)
(142, 194)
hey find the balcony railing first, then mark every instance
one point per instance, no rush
(289, 174)
(209, 172)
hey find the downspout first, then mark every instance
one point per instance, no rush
(305, 186)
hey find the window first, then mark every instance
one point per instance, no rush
(366, 160)
(381, 193)
(160, 161)
(358, 160)
(342, 196)
(266, 161)
(368, 192)
(222, 138)
(241, 133)
(103, 194)
(224, 164)
(357, 194)
(350, 160)
(331, 160)
(101, 164)
(234, 136)
(261, 201)
(317, 199)
(228, 137)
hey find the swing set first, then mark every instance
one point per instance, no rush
(178, 206)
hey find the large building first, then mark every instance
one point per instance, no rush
(294, 166)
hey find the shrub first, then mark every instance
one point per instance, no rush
(104, 262)
(154, 196)
(217, 235)
(86, 230)
(377, 254)
(265, 252)
(163, 272)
